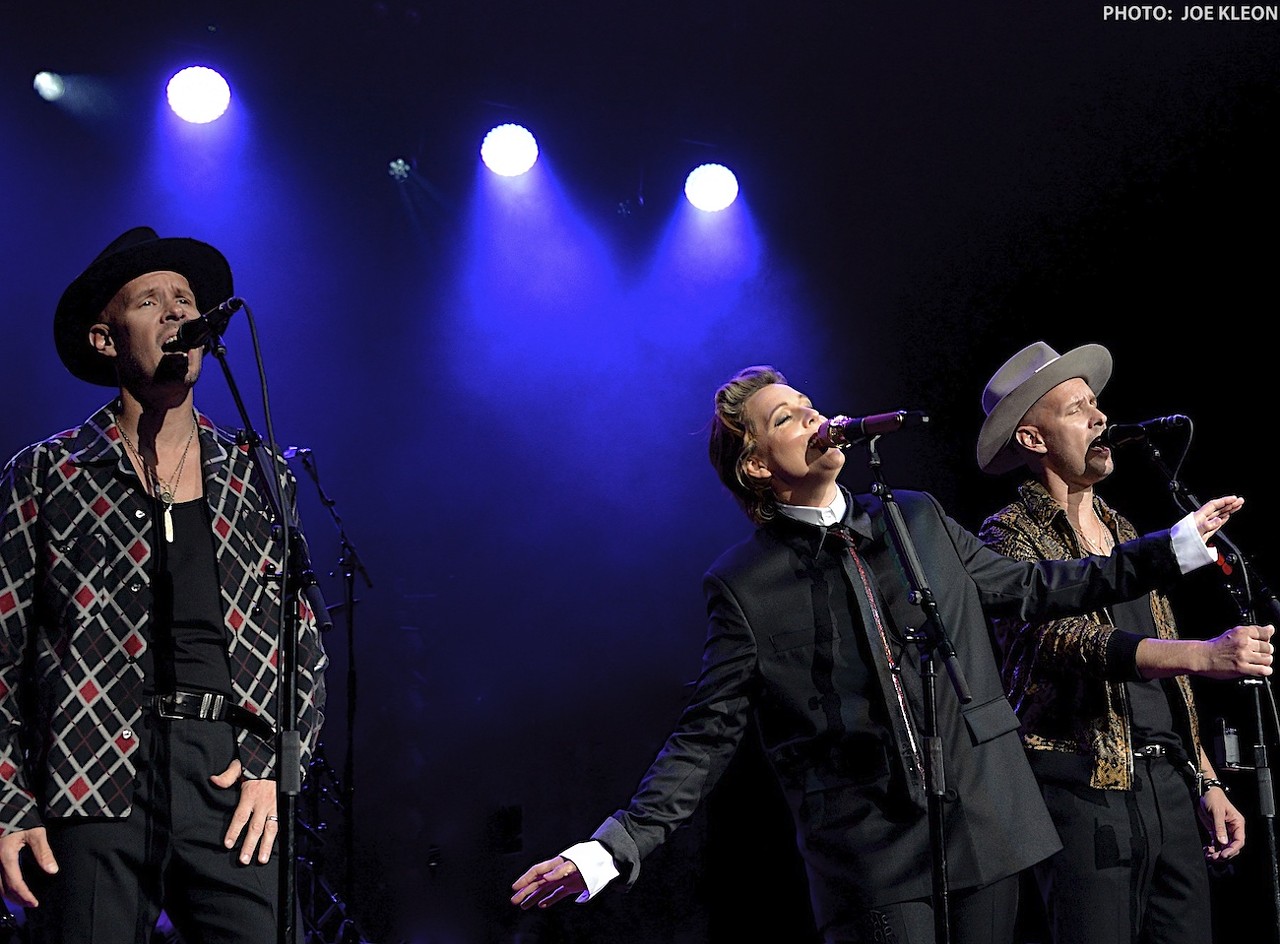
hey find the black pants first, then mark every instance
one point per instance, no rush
(985, 915)
(1132, 868)
(116, 875)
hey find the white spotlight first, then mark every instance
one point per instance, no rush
(400, 169)
(198, 95)
(509, 150)
(711, 187)
(49, 86)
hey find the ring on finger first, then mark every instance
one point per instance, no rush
(272, 818)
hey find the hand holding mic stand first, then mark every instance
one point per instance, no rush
(1250, 596)
(296, 575)
(930, 638)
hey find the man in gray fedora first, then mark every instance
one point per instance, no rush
(140, 614)
(1104, 699)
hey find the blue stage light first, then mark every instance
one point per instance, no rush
(198, 94)
(711, 187)
(509, 150)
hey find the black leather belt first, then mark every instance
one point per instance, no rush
(1151, 750)
(206, 706)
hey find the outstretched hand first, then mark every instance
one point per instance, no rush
(548, 882)
(1212, 515)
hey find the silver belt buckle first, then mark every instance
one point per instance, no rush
(1151, 750)
(211, 706)
(164, 708)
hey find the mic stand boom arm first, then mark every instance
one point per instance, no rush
(1249, 594)
(930, 638)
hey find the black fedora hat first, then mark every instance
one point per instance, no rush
(130, 255)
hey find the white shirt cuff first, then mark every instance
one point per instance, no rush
(1189, 547)
(595, 865)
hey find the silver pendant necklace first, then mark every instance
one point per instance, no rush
(165, 492)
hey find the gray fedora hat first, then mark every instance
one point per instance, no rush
(1019, 383)
(130, 255)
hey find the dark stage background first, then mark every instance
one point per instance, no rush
(518, 457)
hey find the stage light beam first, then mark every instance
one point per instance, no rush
(509, 150)
(198, 95)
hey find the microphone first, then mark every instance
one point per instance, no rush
(1126, 434)
(200, 331)
(841, 431)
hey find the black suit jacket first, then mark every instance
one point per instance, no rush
(793, 641)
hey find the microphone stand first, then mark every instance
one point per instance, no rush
(1248, 601)
(350, 562)
(931, 638)
(295, 573)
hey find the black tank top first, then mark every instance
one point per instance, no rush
(189, 641)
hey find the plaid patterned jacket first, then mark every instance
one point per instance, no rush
(75, 603)
(1065, 678)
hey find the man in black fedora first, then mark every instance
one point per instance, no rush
(1106, 707)
(139, 628)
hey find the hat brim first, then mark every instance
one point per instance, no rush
(996, 451)
(204, 267)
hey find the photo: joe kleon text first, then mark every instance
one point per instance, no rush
(1201, 13)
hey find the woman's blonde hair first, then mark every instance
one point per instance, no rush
(733, 440)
